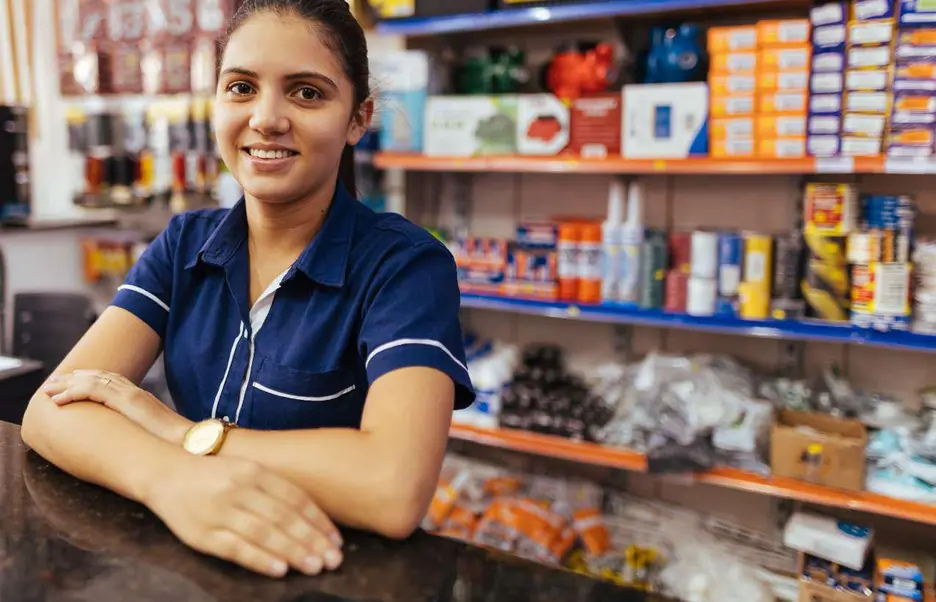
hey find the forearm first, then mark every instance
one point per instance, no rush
(97, 445)
(351, 474)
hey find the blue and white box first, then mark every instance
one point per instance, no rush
(402, 80)
(665, 121)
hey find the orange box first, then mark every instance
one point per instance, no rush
(783, 32)
(732, 128)
(794, 58)
(916, 71)
(783, 81)
(781, 126)
(922, 103)
(733, 105)
(733, 63)
(782, 148)
(917, 37)
(922, 136)
(726, 85)
(783, 103)
(732, 39)
(733, 149)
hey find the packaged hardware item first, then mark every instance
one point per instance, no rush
(404, 78)
(466, 126)
(737, 105)
(665, 120)
(828, 13)
(732, 39)
(783, 32)
(543, 125)
(872, 32)
(841, 542)
(595, 130)
(830, 209)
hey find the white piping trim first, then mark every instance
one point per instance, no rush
(145, 293)
(214, 408)
(301, 398)
(401, 342)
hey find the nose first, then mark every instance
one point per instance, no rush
(269, 116)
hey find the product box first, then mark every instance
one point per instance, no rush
(826, 83)
(825, 104)
(864, 33)
(902, 119)
(783, 81)
(732, 128)
(467, 126)
(861, 124)
(781, 148)
(829, 13)
(868, 10)
(596, 126)
(828, 62)
(734, 63)
(726, 85)
(916, 13)
(915, 103)
(911, 141)
(830, 209)
(824, 125)
(819, 448)
(827, 537)
(824, 581)
(868, 102)
(903, 580)
(880, 292)
(732, 39)
(785, 103)
(785, 59)
(905, 53)
(404, 78)
(917, 37)
(829, 37)
(734, 149)
(864, 57)
(868, 80)
(665, 120)
(823, 145)
(781, 126)
(735, 105)
(543, 125)
(782, 32)
(860, 146)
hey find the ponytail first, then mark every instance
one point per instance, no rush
(346, 176)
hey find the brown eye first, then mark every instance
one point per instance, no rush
(239, 89)
(308, 93)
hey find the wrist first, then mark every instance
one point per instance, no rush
(176, 429)
(157, 481)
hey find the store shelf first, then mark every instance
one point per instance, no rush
(729, 478)
(769, 329)
(616, 165)
(520, 17)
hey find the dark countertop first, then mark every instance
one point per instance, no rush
(64, 540)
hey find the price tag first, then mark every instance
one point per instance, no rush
(835, 165)
(659, 166)
(909, 165)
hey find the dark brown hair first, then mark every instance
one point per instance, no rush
(341, 32)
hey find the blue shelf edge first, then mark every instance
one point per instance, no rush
(802, 330)
(517, 17)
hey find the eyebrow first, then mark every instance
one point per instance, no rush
(292, 76)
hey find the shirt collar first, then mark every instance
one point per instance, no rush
(324, 260)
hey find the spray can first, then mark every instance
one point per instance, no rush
(653, 261)
(590, 264)
(611, 241)
(568, 261)
(754, 292)
(632, 235)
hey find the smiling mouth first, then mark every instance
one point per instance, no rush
(258, 153)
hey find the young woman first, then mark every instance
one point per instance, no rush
(312, 347)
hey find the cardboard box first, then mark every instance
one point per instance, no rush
(732, 128)
(733, 63)
(732, 39)
(783, 32)
(783, 81)
(543, 125)
(596, 126)
(862, 33)
(781, 126)
(782, 148)
(734, 149)
(734, 105)
(725, 85)
(783, 59)
(665, 121)
(819, 448)
(785, 103)
(466, 126)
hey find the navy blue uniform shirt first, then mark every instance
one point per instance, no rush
(370, 294)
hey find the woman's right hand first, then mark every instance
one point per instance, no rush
(238, 511)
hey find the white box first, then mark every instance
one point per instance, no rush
(665, 121)
(467, 126)
(534, 108)
(825, 537)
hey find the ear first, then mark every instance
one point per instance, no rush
(361, 122)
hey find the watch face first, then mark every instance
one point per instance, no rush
(203, 437)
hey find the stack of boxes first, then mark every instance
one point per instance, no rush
(827, 79)
(782, 83)
(914, 107)
(733, 87)
(868, 76)
(758, 80)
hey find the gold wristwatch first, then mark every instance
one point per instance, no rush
(205, 438)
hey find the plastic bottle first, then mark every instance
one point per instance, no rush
(611, 231)
(568, 250)
(632, 235)
(590, 264)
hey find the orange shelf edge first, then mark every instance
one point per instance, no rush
(729, 478)
(700, 166)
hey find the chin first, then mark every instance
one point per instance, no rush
(270, 194)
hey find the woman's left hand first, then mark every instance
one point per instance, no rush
(119, 394)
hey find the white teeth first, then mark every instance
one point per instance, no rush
(270, 154)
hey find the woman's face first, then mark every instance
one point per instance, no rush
(284, 109)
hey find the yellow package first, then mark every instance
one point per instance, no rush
(795, 58)
(781, 126)
(785, 103)
(917, 137)
(783, 81)
(732, 39)
(783, 32)
(734, 105)
(782, 148)
(917, 37)
(726, 85)
(732, 128)
(733, 149)
(734, 63)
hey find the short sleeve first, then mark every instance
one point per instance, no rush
(412, 318)
(147, 290)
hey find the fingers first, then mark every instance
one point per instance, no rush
(230, 546)
(295, 497)
(263, 532)
(85, 385)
